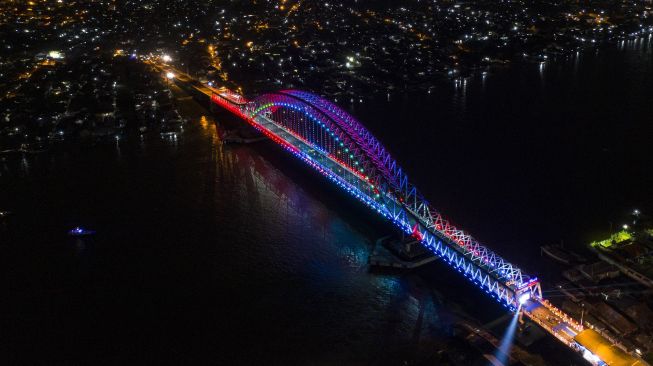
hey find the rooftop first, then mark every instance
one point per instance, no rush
(607, 352)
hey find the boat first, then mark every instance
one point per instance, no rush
(4, 214)
(562, 255)
(79, 231)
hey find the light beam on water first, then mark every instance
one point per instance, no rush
(503, 353)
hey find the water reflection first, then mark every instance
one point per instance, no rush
(25, 165)
(172, 139)
(460, 93)
(117, 146)
(80, 247)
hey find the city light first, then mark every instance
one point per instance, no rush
(592, 358)
(625, 226)
(57, 55)
(170, 75)
(166, 58)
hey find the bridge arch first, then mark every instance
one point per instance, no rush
(322, 129)
(375, 151)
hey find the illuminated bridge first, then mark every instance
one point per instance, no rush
(340, 148)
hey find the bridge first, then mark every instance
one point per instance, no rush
(332, 142)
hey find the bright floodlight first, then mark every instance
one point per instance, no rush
(170, 75)
(503, 353)
(523, 298)
(166, 58)
(625, 227)
(635, 212)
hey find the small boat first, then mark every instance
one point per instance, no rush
(79, 231)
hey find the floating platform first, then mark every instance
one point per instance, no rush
(386, 253)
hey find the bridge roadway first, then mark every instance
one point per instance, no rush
(554, 321)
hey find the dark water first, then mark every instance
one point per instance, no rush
(207, 253)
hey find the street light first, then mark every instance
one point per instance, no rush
(169, 76)
(625, 227)
(166, 58)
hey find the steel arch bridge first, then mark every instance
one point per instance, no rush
(339, 147)
(333, 143)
